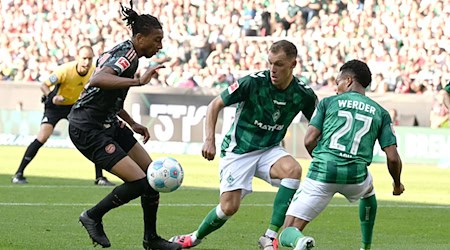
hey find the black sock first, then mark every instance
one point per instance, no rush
(150, 203)
(30, 153)
(98, 172)
(120, 195)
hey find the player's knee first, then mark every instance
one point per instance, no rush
(292, 171)
(229, 209)
(286, 167)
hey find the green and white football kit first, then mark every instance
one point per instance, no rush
(350, 124)
(263, 115)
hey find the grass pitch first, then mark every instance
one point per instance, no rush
(44, 213)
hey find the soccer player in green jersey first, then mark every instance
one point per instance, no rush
(447, 97)
(267, 102)
(340, 138)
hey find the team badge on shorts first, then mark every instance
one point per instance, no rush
(110, 148)
(230, 179)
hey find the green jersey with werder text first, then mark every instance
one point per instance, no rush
(263, 112)
(350, 125)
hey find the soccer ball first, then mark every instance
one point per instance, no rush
(165, 174)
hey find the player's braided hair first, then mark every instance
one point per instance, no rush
(143, 24)
(359, 71)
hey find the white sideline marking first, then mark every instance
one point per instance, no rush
(6, 204)
(81, 186)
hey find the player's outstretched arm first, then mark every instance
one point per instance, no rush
(107, 78)
(394, 164)
(212, 113)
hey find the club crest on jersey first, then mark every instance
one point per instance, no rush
(122, 63)
(110, 148)
(53, 79)
(276, 116)
(233, 87)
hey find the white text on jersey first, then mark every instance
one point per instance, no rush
(357, 105)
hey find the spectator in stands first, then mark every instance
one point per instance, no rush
(394, 116)
(330, 86)
(221, 81)
(402, 40)
(439, 115)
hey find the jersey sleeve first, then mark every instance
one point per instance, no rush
(318, 117)
(58, 76)
(447, 87)
(237, 92)
(387, 134)
(310, 105)
(119, 61)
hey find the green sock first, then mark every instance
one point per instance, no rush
(367, 214)
(289, 236)
(210, 223)
(280, 206)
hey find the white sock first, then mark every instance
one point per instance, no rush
(270, 233)
(290, 183)
(194, 236)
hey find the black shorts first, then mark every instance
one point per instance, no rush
(53, 115)
(103, 147)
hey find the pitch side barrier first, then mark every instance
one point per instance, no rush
(175, 118)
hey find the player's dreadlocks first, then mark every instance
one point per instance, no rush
(359, 70)
(143, 24)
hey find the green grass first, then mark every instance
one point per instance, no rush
(44, 213)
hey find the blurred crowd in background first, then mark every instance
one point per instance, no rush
(211, 43)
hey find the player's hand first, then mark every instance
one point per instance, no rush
(147, 76)
(58, 99)
(398, 190)
(142, 130)
(209, 150)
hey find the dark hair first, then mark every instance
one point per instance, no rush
(287, 47)
(143, 24)
(359, 71)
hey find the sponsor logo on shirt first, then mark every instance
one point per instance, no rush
(279, 103)
(122, 63)
(268, 127)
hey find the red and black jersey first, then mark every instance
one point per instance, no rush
(97, 107)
